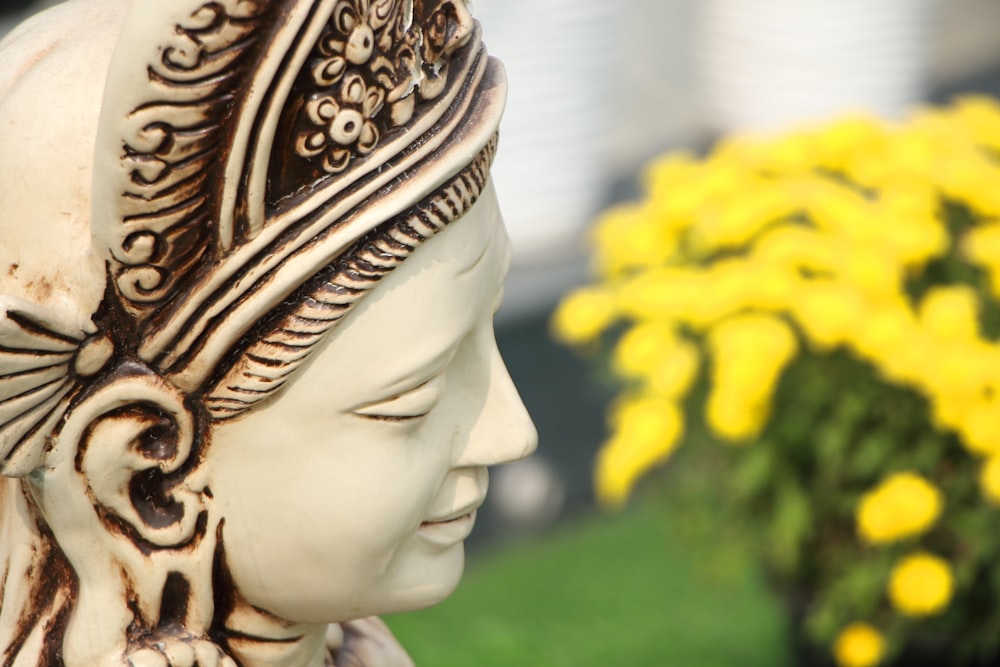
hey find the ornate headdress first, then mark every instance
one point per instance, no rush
(259, 165)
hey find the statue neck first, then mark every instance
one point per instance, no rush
(258, 639)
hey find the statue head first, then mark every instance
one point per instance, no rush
(248, 378)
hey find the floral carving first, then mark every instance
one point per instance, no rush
(346, 123)
(376, 60)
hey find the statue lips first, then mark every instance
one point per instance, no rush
(452, 528)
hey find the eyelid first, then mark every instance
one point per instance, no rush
(409, 404)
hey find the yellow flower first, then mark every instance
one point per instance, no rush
(982, 244)
(959, 367)
(828, 312)
(978, 425)
(584, 314)
(885, 335)
(848, 139)
(631, 236)
(731, 223)
(840, 209)
(726, 289)
(665, 293)
(980, 116)
(911, 229)
(965, 177)
(669, 173)
(639, 348)
(919, 241)
(794, 247)
(951, 313)
(734, 416)
(771, 287)
(646, 431)
(674, 373)
(912, 151)
(790, 153)
(652, 351)
(902, 506)
(859, 645)
(873, 271)
(749, 351)
(921, 585)
(989, 479)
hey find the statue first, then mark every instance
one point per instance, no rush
(234, 409)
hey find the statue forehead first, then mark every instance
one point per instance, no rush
(416, 316)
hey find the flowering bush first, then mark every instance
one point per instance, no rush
(826, 302)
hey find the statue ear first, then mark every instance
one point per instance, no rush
(137, 440)
(124, 495)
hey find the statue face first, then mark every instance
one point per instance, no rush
(352, 492)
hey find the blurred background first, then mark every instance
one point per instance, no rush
(597, 89)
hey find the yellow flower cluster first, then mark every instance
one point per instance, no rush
(749, 351)
(859, 645)
(734, 264)
(646, 430)
(921, 585)
(904, 505)
(808, 236)
(584, 314)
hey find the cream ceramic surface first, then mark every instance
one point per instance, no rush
(233, 408)
(398, 417)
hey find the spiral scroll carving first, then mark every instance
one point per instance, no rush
(173, 155)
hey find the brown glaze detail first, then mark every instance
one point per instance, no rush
(150, 496)
(368, 76)
(39, 290)
(270, 352)
(12, 271)
(223, 592)
(51, 575)
(151, 489)
(176, 597)
(176, 163)
(118, 526)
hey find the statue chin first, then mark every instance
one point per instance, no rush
(249, 385)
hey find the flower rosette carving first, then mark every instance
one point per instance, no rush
(345, 123)
(376, 60)
(356, 27)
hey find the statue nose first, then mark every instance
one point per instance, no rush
(504, 432)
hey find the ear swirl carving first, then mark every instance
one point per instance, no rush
(137, 455)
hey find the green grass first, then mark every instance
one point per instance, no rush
(647, 588)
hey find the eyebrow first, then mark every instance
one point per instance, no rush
(478, 260)
(422, 373)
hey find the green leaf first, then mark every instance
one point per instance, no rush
(791, 526)
(873, 454)
(754, 472)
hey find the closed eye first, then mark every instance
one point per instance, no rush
(409, 405)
